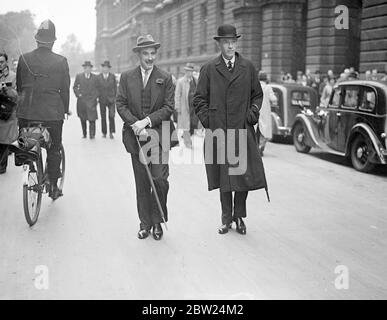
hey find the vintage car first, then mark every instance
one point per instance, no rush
(353, 125)
(289, 97)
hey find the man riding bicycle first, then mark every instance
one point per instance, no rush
(43, 84)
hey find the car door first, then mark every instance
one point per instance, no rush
(347, 115)
(330, 136)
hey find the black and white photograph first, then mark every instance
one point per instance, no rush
(211, 152)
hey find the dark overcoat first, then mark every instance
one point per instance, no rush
(43, 85)
(129, 105)
(86, 90)
(224, 100)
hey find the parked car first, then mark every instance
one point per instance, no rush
(289, 97)
(353, 125)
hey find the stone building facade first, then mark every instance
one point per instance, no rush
(277, 35)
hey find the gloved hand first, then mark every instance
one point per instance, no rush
(253, 115)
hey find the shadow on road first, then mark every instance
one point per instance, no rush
(380, 170)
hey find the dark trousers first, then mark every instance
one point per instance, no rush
(226, 200)
(147, 208)
(110, 107)
(3, 156)
(91, 128)
(53, 153)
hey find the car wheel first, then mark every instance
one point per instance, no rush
(299, 138)
(361, 151)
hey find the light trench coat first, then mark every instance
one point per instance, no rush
(182, 103)
(265, 121)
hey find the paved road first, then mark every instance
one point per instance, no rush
(323, 214)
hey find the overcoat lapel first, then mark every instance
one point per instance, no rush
(155, 88)
(137, 88)
(239, 68)
(222, 68)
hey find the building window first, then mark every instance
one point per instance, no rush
(190, 27)
(179, 25)
(219, 12)
(203, 27)
(169, 32)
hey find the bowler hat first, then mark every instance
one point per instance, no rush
(87, 64)
(189, 67)
(226, 31)
(46, 32)
(106, 63)
(146, 41)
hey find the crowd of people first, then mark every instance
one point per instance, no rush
(324, 83)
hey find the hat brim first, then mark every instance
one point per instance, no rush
(106, 65)
(228, 37)
(151, 45)
(88, 65)
(189, 69)
(44, 40)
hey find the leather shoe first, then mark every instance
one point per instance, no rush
(223, 229)
(143, 234)
(157, 231)
(55, 192)
(240, 225)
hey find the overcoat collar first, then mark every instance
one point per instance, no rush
(239, 67)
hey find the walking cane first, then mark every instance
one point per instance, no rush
(143, 160)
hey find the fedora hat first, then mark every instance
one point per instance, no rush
(87, 64)
(189, 67)
(146, 41)
(106, 63)
(226, 31)
(46, 32)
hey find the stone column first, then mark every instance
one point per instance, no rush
(326, 46)
(373, 47)
(283, 37)
(248, 21)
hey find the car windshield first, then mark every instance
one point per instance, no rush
(300, 97)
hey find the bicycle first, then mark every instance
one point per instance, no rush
(28, 153)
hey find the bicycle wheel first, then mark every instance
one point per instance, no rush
(32, 191)
(62, 169)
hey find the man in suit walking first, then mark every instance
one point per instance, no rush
(86, 91)
(145, 101)
(43, 84)
(227, 100)
(107, 90)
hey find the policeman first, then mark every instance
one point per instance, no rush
(43, 83)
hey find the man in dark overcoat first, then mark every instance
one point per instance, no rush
(107, 90)
(86, 90)
(227, 101)
(145, 102)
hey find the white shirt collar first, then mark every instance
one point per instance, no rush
(143, 71)
(232, 60)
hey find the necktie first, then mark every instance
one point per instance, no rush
(146, 76)
(229, 65)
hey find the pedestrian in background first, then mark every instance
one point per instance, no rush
(187, 120)
(326, 94)
(107, 90)
(8, 120)
(86, 90)
(264, 129)
(228, 99)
